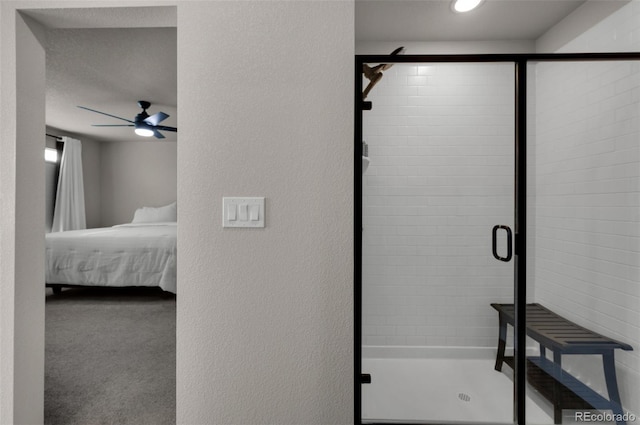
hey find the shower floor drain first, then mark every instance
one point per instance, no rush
(464, 397)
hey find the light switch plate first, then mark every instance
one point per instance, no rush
(243, 212)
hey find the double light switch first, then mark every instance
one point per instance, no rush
(242, 212)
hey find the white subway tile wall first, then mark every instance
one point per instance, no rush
(586, 159)
(587, 196)
(440, 142)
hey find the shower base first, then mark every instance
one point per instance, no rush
(446, 391)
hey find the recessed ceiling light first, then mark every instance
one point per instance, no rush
(461, 6)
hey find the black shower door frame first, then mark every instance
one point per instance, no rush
(520, 62)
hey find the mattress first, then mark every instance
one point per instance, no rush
(142, 254)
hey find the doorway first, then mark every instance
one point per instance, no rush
(29, 297)
(444, 148)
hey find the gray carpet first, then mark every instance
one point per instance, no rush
(110, 357)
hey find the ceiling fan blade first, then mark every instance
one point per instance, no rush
(156, 119)
(165, 128)
(104, 113)
(112, 125)
(158, 134)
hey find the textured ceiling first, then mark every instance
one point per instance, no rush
(110, 69)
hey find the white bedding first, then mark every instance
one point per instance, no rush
(142, 254)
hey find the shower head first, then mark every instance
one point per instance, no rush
(394, 53)
(374, 74)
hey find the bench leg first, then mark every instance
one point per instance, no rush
(502, 342)
(612, 385)
(557, 389)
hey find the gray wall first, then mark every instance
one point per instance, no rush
(21, 222)
(265, 316)
(135, 174)
(92, 181)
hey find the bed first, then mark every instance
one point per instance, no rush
(140, 253)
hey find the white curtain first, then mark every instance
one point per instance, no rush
(68, 213)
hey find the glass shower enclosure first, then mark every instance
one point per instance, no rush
(497, 243)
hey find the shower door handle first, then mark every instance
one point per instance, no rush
(494, 243)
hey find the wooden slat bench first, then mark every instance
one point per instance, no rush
(555, 333)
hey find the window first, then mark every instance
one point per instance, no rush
(50, 155)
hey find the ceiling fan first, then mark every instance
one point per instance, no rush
(144, 124)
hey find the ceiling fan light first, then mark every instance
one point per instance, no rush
(143, 131)
(461, 6)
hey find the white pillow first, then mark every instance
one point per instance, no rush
(156, 215)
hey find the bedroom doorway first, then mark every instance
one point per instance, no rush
(133, 327)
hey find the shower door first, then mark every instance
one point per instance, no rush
(438, 196)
